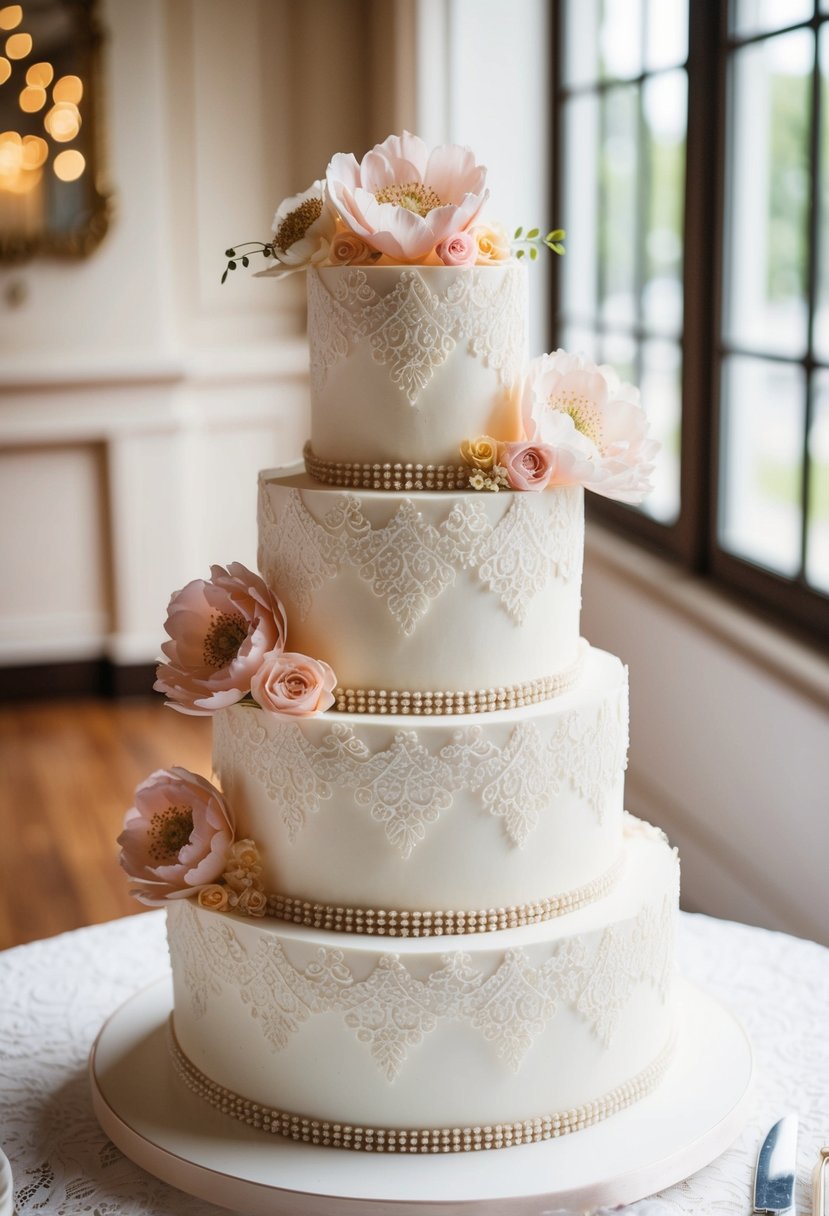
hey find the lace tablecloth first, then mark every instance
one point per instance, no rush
(55, 994)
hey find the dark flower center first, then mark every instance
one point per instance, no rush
(169, 832)
(226, 634)
(296, 223)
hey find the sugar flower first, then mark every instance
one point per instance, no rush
(529, 466)
(460, 249)
(593, 421)
(402, 199)
(480, 453)
(349, 250)
(176, 837)
(294, 684)
(303, 228)
(492, 244)
(220, 631)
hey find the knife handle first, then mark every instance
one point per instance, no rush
(820, 1194)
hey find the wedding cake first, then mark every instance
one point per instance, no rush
(412, 914)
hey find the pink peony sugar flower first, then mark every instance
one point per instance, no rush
(529, 466)
(176, 837)
(220, 631)
(460, 249)
(294, 684)
(593, 421)
(402, 200)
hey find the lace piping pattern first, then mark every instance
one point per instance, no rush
(418, 1140)
(389, 922)
(409, 562)
(405, 787)
(413, 330)
(392, 1010)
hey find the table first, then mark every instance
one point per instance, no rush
(55, 994)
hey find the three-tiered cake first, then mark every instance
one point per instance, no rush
(421, 920)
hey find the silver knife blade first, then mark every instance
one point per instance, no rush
(774, 1179)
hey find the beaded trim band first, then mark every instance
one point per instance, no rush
(387, 922)
(361, 476)
(417, 1139)
(469, 701)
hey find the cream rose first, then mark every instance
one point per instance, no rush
(349, 250)
(214, 897)
(480, 453)
(252, 902)
(492, 242)
(293, 684)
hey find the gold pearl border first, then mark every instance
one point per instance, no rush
(361, 476)
(414, 1139)
(468, 701)
(388, 922)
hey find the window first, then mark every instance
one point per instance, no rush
(692, 178)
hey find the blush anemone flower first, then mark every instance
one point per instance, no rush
(403, 200)
(220, 630)
(176, 837)
(595, 424)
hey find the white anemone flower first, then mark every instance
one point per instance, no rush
(403, 200)
(303, 228)
(595, 423)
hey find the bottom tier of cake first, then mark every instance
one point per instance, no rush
(436, 1044)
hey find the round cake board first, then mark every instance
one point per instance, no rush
(694, 1115)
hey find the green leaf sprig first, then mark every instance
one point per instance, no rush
(241, 254)
(528, 243)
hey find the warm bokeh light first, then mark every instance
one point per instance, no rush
(69, 165)
(19, 46)
(35, 151)
(11, 153)
(5, 69)
(68, 88)
(32, 99)
(40, 74)
(63, 122)
(11, 16)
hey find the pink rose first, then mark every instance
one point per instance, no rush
(176, 838)
(349, 250)
(529, 466)
(461, 249)
(220, 630)
(293, 684)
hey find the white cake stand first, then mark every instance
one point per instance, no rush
(695, 1113)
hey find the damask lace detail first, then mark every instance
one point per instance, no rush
(405, 787)
(409, 562)
(392, 1010)
(413, 330)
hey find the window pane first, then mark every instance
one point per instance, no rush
(661, 385)
(580, 341)
(619, 218)
(767, 210)
(762, 438)
(581, 59)
(666, 34)
(817, 537)
(579, 266)
(664, 105)
(619, 351)
(757, 16)
(821, 330)
(620, 38)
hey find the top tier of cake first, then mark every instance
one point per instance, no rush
(407, 361)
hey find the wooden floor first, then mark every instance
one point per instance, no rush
(67, 774)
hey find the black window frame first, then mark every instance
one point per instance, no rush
(693, 539)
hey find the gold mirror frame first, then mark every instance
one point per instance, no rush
(79, 234)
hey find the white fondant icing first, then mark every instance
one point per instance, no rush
(433, 590)
(474, 811)
(443, 1031)
(407, 361)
